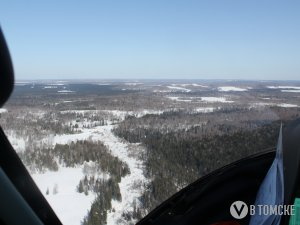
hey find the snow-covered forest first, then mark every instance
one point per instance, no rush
(108, 152)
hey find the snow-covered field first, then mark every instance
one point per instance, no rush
(179, 99)
(231, 88)
(205, 109)
(284, 87)
(201, 99)
(285, 105)
(69, 205)
(65, 91)
(18, 143)
(3, 110)
(291, 91)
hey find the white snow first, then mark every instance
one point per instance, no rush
(284, 87)
(186, 85)
(202, 99)
(199, 85)
(291, 91)
(50, 87)
(133, 83)
(18, 143)
(285, 105)
(204, 109)
(215, 99)
(231, 88)
(3, 110)
(56, 84)
(69, 205)
(65, 91)
(68, 101)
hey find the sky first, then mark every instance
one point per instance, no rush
(153, 39)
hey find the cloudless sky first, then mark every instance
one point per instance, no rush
(229, 39)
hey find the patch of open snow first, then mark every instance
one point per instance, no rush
(291, 91)
(186, 85)
(215, 99)
(199, 85)
(231, 88)
(148, 111)
(56, 84)
(261, 104)
(69, 205)
(133, 83)
(68, 138)
(65, 91)
(18, 143)
(3, 110)
(50, 87)
(284, 87)
(204, 109)
(68, 101)
(285, 105)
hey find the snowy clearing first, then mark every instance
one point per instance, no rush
(284, 87)
(231, 88)
(65, 91)
(199, 85)
(285, 105)
(202, 99)
(50, 87)
(215, 99)
(179, 99)
(204, 109)
(3, 111)
(133, 83)
(291, 91)
(18, 143)
(69, 205)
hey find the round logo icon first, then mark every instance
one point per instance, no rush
(239, 209)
